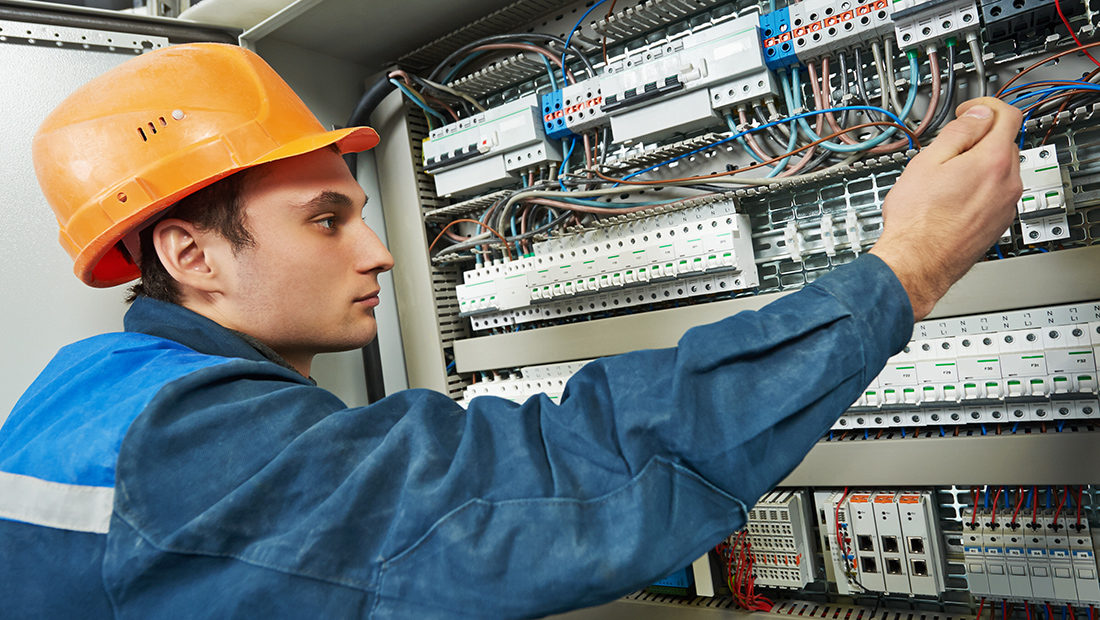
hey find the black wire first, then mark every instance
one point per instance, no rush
(843, 88)
(949, 99)
(773, 131)
(860, 86)
(530, 36)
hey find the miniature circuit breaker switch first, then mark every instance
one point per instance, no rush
(489, 149)
(1045, 204)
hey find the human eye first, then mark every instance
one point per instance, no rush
(329, 222)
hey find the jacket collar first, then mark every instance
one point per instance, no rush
(194, 331)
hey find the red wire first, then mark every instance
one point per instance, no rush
(1078, 509)
(1057, 510)
(974, 512)
(993, 515)
(1072, 614)
(980, 608)
(1058, 5)
(1019, 503)
(1034, 505)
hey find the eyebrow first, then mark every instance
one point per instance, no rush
(327, 198)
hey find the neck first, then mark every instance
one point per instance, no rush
(300, 362)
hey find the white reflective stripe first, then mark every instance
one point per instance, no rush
(52, 504)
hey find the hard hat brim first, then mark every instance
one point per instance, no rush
(102, 265)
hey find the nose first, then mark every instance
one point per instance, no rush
(370, 253)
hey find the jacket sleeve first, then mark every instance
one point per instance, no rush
(502, 510)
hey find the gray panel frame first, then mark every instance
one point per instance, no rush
(1042, 279)
(412, 278)
(1065, 458)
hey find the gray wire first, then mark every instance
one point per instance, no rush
(530, 36)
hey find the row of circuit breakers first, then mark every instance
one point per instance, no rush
(891, 541)
(701, 250)
(1035, 365)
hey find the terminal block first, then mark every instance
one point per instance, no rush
(1033, 558)
(531, 381)
(1019, 366)
(574, 109)
(779, 536)
(882, 541)
(777, 39)
(681, 83)
(919, 23)
(1026, 19)
(489, 149)
(1045, 205)
(824, 27)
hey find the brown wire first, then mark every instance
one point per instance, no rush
(408, 82)
(916, 144)
(1042, 62)
(507, 249)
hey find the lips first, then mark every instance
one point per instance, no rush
(369, 300)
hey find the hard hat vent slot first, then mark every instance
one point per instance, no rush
(152, 129)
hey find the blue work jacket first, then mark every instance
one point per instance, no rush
(175, 471)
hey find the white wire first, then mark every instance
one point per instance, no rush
(979, 65)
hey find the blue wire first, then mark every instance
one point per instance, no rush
(459, 65)
(1052, 90)
(765, 126)
(1048, 497)
(1014, 427)
(983, 433)
(570, 38)
(1006, 500)
(914, 79)
(999, 256)
(781, 164)
(565, 161)
(1061, 423)
(987, 498)
(903, 432)
(549, 71)
(1022, 86)
(941, 431)
(450, 367)
(408, 93)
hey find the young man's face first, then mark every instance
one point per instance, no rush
(310, 282)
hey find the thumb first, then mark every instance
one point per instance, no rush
(961, 134)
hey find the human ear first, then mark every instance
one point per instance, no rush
(188, 254)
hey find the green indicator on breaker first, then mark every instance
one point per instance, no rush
(1080, 352)
(1032, 357)
(727, 255)
(969, 385)
(987, 361)
(638, 251)
(994, 383)
(946, 364)
(1013, 382)
(589, 262)
(1084, 378)
(666, 246)
(906, 367)
(1034, 381)
(929, 388)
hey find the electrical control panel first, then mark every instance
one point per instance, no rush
(489, 149)
(1009, 19)
(1003, 368)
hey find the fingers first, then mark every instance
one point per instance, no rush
(1007, 118)
(979, 119)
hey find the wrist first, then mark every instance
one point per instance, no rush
(922, 277)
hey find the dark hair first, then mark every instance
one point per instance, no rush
(216, 207)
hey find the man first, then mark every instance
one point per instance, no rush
(188, 467)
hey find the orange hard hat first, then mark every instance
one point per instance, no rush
(137, 139)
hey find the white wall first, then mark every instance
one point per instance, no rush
(43, 305)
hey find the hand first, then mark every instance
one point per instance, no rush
(952, 203)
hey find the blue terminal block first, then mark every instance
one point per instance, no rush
(683, 578)
(553, 116)
(776, 39)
